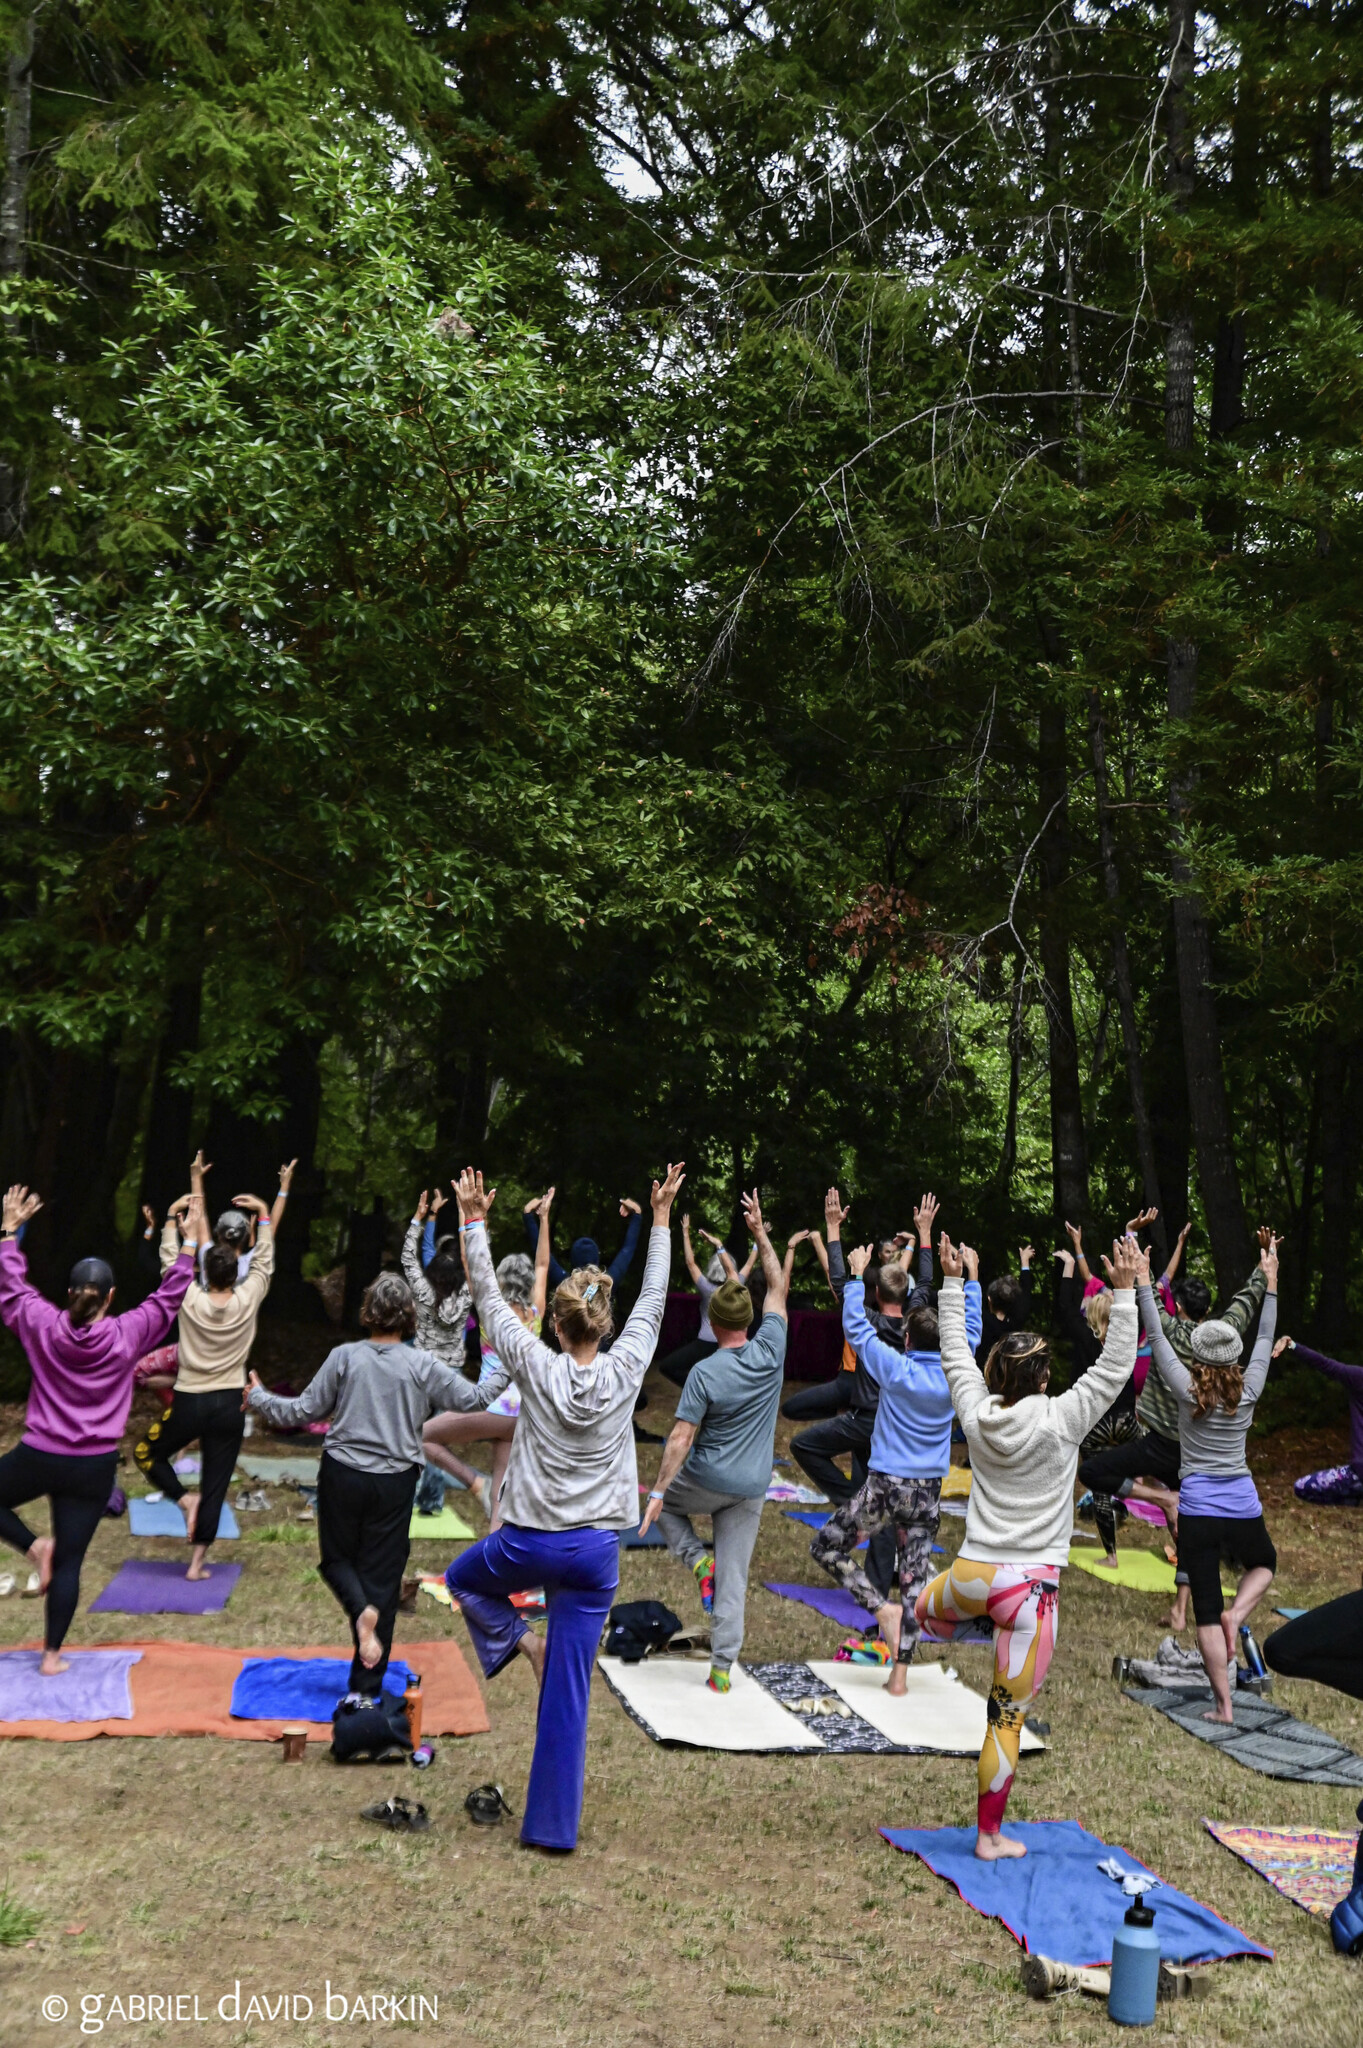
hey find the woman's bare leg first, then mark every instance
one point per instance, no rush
(501, 1453)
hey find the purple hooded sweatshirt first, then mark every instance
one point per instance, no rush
(82, 1379)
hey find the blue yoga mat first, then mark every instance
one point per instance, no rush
(813, 1519)
(164, 1518)
(1056, 1901)
(300, 1688)
(630, 1539)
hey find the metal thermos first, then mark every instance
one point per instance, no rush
(1135, 1968)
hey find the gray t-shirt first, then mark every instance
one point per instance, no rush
(734, 1398)
(378, 1396)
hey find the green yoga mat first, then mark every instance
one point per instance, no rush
(1142, 1571)
(440, 1527)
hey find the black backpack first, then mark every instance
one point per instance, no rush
(638, 1626)
(371, 1731)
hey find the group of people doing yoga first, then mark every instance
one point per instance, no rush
(559, 1416)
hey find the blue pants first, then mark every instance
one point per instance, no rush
(579, 1570)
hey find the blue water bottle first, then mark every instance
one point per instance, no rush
(1135, 1968)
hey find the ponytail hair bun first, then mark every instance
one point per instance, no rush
(88, 1289)
(582, 1305)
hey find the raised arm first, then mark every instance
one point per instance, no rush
(416, 1279)
(623, 1259)
(964, 1377)
(1350, 1377)
(775, 1303)
(835, 1214)
(1163, 1356)
(286, 1174)
(318, 1398)
(821, 1254)
(519, 1351)
(1256, 1372)
(638, 1340)
(540, 1290)
(1079, 1407)
(251, 1291)
(1245, 1306)
(687, 1254)
(1175, 1259)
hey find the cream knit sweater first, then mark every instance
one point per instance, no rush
(1024, 1458)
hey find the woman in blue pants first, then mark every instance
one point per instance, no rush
(572, 1484)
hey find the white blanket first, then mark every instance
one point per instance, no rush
(937, 1712)
(671, 1698)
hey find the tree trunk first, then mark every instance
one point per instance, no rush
(170, 1114)
(246, 1154)
(1151, 1195)
(1008, 1157)
(1207, 1099)
(14, 224)
(1069, 1159)
(1341, 1083)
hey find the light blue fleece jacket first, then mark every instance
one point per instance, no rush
(912, 1435)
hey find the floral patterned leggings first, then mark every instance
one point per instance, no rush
(1021, 1600)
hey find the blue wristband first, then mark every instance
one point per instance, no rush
(477, 1224)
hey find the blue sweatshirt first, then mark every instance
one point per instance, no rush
(912, 1435)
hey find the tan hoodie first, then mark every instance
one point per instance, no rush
(216, 1336)
(1024, 1458)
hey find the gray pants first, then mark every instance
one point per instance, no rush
(735, 1519)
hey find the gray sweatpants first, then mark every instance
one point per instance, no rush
(735, 1519)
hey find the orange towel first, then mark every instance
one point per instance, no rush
(186, 1689)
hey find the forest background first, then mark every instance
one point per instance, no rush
(776, 585)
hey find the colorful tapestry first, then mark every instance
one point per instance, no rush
(1313, 1869)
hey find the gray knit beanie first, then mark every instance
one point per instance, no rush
(1216, 1343)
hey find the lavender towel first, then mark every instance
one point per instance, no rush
(831, 1601)
(167, 1518)
(156, 1586)
(96, 1688)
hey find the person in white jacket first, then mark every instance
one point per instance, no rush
(1024, 1453)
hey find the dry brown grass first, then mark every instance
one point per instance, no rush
(744, 1898)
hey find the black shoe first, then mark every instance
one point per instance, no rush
(485, 1806)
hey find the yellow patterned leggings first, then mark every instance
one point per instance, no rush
(1022, 1602)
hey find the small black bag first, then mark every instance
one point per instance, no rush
(638, 1626)
(371, 1731)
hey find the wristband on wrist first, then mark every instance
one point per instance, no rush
(283, 1195)
(476, 1224)
(655, 1495)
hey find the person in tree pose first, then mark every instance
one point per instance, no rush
(1008, 1304)
(585, 1251)
(572, 1483)
(1337, 1485)
(1218, 1503)
(378, 1393)
(524, 1288)
(678, 1363)
(724, 1436)
(218, 1318)
(1147, 1468)
(909, 1457)
(1024, 1449)
(843, 1412)
(82, 1359)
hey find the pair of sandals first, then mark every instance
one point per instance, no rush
(8, 1584)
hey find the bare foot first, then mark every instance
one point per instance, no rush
(890, 1618)
(53, 1664)
(533, 1649)
(994, 1848)
(1108, 1563)
(40, 1554)
(189, 1508)
(897, 1684)
(1226, 1720)
(371, 1649)
(198, 1571)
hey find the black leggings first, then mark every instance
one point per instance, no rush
(678, 1363)
(1151, 1456)
(217, 1422)
(78, 1491)
(363, 1532)
(1202, 1539)
(1325, 1645)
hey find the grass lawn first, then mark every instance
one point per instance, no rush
(713, 1897)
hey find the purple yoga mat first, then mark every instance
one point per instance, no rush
(830, 1601)
(158, 1586)
(96, 1688)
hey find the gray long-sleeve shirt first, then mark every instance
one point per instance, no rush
(379, 1396)
(1212, 1446)
(572, 1463)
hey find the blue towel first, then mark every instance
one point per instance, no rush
(300, 1688)
(630, 1539)
(165, 1518)
(1056, 1902)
